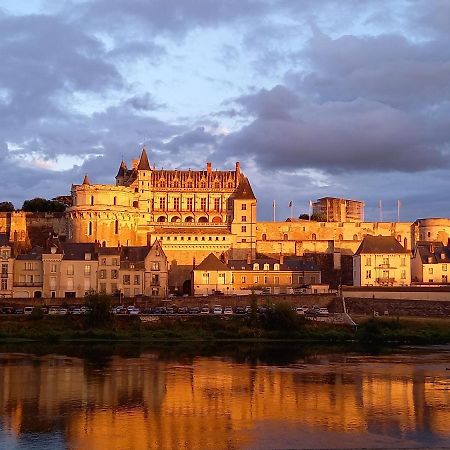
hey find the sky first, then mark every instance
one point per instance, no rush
(343, 98)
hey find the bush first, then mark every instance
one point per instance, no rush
(37, 313)
(282, 317)
(99, 314)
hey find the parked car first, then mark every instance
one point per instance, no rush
(7, 310)
(204, 310)
(301, 310)
(194, 310)
(248, 309)
(134, 311)
(217, 309)
(228, 311)
(171, 310)
(239, 310)
(53, 311)
(28, 309)
(63, 311)
(323, 312)
(182, 310)
(18, 311)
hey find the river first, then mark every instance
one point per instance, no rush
(230, 397)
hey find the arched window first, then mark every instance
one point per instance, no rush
(285, 237)
(217, 219)
(355, 237)
(313, 237)
(341, 237)
(116, 227)
(115, 201)
(175, 219)
(266, 267)
(264, 237)
(92, 200)
(203, 219)
(276, 266)
(255, 266)
(136, 204)
(405, 243)
(189, 219)
(161, 219)
(104, 244)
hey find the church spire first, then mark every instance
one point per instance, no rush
(143, 161)
(86, 180)
(122, 169)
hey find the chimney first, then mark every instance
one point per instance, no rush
(227, 260)
(430, 260)
(443, 256)
(238, 168)
(281, 260)
(249, 259)
(209, 167)
(134, 163)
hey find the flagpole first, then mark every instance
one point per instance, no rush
(381, 212)
(398, 210)
(273, 206)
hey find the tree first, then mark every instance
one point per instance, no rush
(304, 216)
(99, 314)
(6, 207)
(42, 205)
(319, 218)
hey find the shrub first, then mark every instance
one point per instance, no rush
(282, 317)
(99, 314)
(37, 313)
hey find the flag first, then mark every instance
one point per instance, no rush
(310, 204)
(290, 204)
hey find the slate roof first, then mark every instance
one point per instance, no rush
(4, 239)
(433, 250)
(34, 255)
(143, 161)
(244, 190)
(290, 263)
(122, 169)
(77, 251)
(381, 245)
(212, 262)
(134, 254)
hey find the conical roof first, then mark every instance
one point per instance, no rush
(143, 161)
(86, 180)
(244, 191)
(122, 169)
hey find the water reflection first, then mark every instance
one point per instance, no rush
(150, 401)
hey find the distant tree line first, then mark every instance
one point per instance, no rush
(35, 205)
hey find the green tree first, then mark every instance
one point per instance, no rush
(319, 218)
(99, 314)
(282, 317)
(6, 207)
(42, 205)
(304, 216)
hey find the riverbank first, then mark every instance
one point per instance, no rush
(279, 327)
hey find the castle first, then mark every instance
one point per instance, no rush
(193, 213)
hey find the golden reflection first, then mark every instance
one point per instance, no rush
(145, 403)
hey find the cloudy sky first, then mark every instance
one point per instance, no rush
(315, 97)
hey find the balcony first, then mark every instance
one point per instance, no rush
(385, 280)
(28, 284)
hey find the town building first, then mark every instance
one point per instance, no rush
(266, 275)
(7, 267)
(331, 209)
(430, 263)
(381, 261)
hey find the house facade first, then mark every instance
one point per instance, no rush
(381, 261)
(430, 263)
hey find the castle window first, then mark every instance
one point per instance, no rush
(161, 219)
(203, 219)
(266, 267)
(176, 204)
(189, 204)
(244, 219)
(202, 184)
(217, 219)
(405, 243)
(189, 219)
(355, 237)
(203, 204)
(276, 266)
(244, 206)
(116, 227)
(217, 204)
(92, 200)
(255, 266)
(243, 229)
(217, 185)
(341, 237)
(136, 204)
(115, 201)
(162, 203)
(285, 237)
(90, 229)
(264, 237)
(314, 237)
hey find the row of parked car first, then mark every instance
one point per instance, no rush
(314, 311)
(51, 310)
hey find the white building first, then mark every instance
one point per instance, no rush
(430, 263)
(381, 261)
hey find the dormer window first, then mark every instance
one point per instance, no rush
(87, 256)
(266, 267)
(255, 266)
(276, 266)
